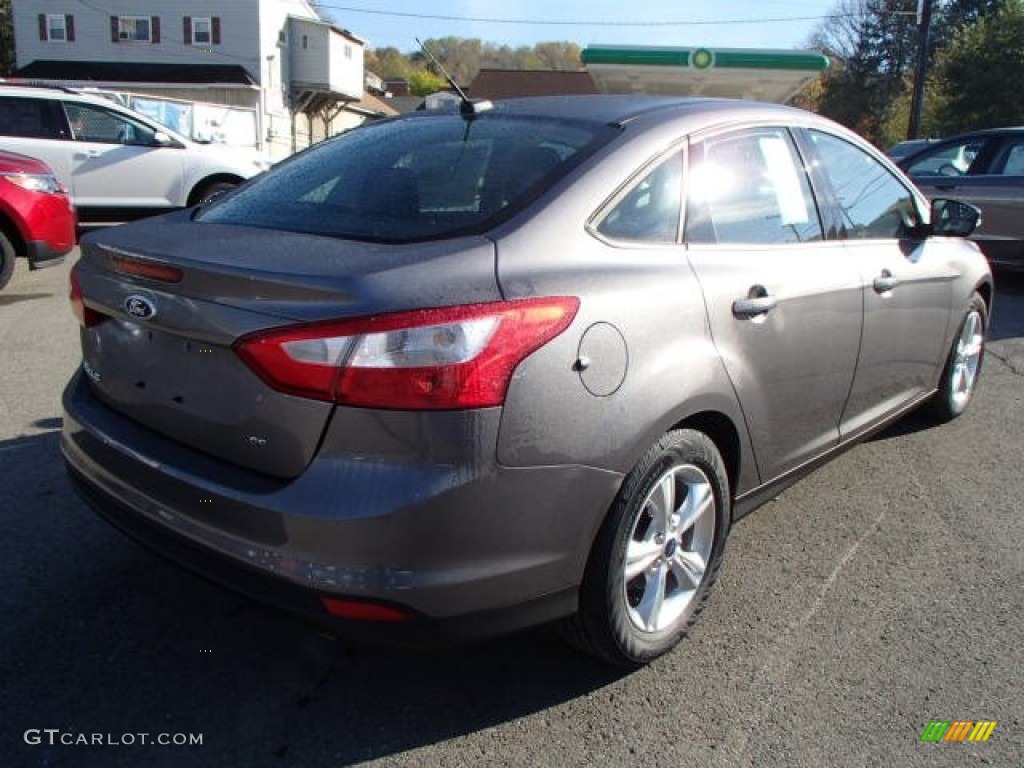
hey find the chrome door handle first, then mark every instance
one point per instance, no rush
(885, 282)
(88, 153)
(756, 303)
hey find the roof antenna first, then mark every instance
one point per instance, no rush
(467, 108)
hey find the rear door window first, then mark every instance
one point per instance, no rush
(26, 118)
(1011, 159)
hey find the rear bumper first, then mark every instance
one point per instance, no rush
(470, 548)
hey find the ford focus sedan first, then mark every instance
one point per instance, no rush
(463, 372)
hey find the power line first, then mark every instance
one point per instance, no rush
(593, 23)
(598, 23)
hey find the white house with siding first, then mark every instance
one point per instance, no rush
(302, 77)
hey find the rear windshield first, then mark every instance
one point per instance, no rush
(415, 179)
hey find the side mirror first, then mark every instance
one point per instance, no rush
(951, 218)
(161, 139)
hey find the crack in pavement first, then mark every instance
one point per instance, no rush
(1013, 361)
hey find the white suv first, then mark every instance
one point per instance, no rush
(115, 162)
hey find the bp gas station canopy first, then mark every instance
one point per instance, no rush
(761, 75)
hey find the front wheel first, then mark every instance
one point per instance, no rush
(6, 260)
(657, 554)
(960, 374)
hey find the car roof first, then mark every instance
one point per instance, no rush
(620, 108)
(1011, 130)
(28, 89)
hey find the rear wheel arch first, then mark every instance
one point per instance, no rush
(984, 289)
(717, 425)
(206, 186)
(723, 433)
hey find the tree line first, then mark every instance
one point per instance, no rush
(462, 58)
(974, 73)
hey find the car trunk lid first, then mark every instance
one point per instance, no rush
(175, 296)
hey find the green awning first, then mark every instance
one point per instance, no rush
(763, 75)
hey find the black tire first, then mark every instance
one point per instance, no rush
(209, 191)
(6, 260)
(963, 365)
(613, 603)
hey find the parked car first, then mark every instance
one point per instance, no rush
(985, 168)
(460, 372)
(37, 221)
(904, 148)
(115, 162)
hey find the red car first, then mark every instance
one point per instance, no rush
(37, 220)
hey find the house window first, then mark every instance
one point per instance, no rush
(201, 31)
(137, 29)
(348, 51)
(56, 27)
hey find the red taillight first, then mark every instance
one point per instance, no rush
(86, 317)
(361, 610)
(446, 358)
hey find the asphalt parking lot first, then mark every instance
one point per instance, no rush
(881, 593)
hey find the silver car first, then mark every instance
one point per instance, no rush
(114, 162)
(463, 372)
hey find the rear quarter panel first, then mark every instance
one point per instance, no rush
(651, 298)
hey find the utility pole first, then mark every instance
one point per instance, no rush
(924, 24)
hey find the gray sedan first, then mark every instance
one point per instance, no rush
(985, 168)
(462, 372)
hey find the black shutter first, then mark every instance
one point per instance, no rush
(215, 30)
(69, 25)
(42, 27)
(113, 29)
(154, 29)
(186, 30)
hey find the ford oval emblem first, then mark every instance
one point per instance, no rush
(139, 306)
